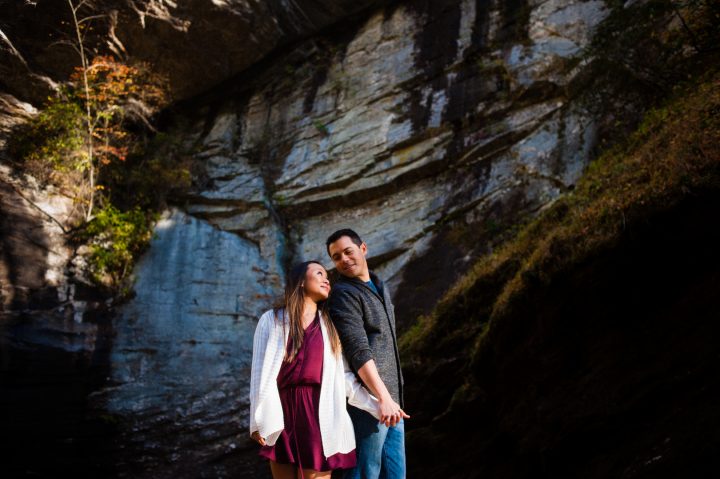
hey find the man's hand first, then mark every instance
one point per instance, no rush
(257, 438)
(390, 412)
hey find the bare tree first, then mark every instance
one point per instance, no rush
(78, 24)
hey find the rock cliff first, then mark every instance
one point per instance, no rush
(431, 128)
(428, 128)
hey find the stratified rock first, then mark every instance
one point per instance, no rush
(403, 138)
(12, 114)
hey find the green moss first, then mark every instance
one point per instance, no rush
(675, 150)
(110, 419)
(321, 127)
(497, 69)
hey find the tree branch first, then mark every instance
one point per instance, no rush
(13, 49)
(92, 17)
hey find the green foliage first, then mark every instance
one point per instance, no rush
(116, 238)
(134, 190)
(279, 199)
(83, 129)
(159, 167)
(52, 141)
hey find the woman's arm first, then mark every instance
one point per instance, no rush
(260, 340)
(357, 395)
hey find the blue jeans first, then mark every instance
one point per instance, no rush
(380, 449)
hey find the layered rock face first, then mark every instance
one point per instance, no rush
(35, 253)
(427, 119)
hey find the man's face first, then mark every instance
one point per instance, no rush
(348, 257)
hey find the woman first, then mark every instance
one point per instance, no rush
(299, 383)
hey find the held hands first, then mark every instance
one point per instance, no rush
(257, 438)
(388, 410)
(391, 413)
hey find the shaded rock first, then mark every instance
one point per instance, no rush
(55, 338)
(197, 44)
(608, 369)
(35, 253)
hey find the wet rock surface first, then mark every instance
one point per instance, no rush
(182, 352)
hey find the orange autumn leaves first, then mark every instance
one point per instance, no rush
(116, 91)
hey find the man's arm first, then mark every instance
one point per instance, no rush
(390, 412)
(346, 313)
(347, 316)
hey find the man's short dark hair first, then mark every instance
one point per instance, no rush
(354, 237)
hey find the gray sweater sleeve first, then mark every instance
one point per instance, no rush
(347, 316)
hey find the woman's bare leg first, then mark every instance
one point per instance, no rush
(313, 474)
(282, 471)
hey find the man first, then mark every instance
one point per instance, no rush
(363, 314)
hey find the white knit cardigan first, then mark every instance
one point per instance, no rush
(338, 382)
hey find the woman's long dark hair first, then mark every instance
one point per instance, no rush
(293, 310)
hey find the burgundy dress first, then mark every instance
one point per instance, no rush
(299, 382)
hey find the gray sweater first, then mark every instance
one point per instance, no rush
(366, 324)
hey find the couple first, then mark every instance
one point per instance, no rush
(312, 354)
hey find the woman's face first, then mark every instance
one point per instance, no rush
(316, 284)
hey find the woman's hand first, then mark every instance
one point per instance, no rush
(390, 412)
(257, 438)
